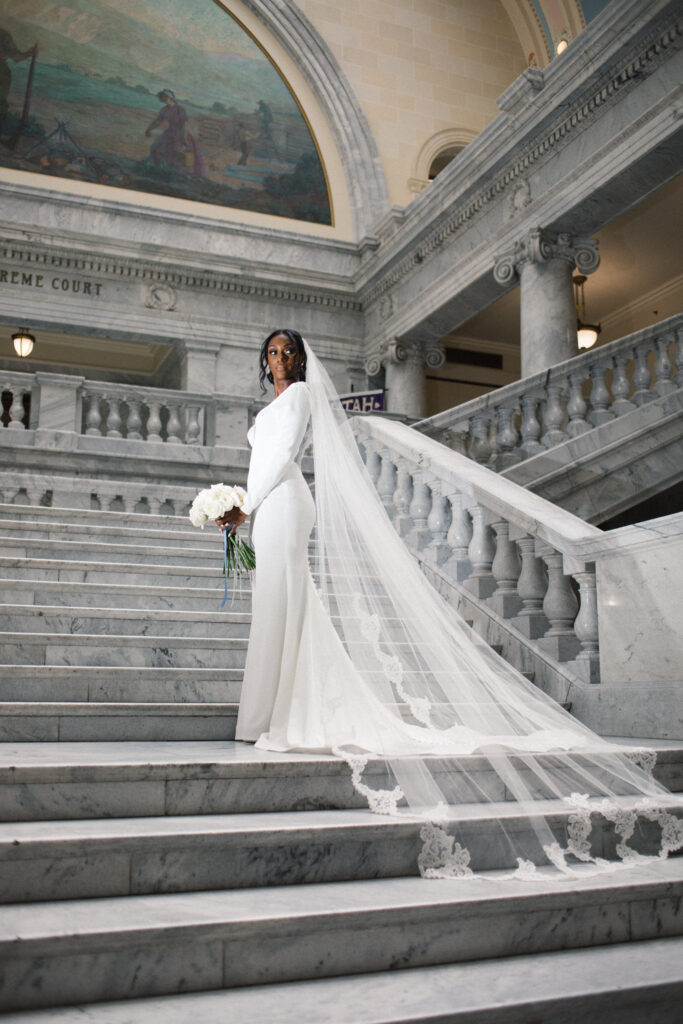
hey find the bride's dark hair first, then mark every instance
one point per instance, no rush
(296, 339)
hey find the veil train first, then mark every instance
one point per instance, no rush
(466, 728)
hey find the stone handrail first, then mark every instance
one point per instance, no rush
(510, 550)
(530, 416)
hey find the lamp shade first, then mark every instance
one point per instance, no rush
(23, 343)
(587, 335)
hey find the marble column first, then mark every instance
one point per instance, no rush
(404, 364)
(544, 261)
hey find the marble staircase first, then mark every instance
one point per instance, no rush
(153, 868)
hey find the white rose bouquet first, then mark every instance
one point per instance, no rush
(212, 503)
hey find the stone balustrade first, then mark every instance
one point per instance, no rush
(509, 551)
(63, 402)
(145, 414)
(527, 417)
(17, 391)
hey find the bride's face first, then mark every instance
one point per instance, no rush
(283, 360)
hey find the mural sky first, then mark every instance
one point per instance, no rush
(164, 96)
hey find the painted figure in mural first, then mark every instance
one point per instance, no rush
(243, 143)
(9, 51)
(176, 146)
(265, 116)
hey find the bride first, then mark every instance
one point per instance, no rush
(373, 666)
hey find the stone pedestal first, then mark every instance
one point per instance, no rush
(59, 404)
(198, 368)
(544, 262)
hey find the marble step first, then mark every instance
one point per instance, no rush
(72, 721)
(48, 781)
(611, 984)
(124, 595)
(114, 948)
(57, 620)
(83, 683)
(142, 651)
(75, 570)
(64, 860)
(95, 517)
(179, 553)
(105, 533)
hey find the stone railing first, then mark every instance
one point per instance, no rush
(17, 393)
(146, 414)
(63, 402)
(530, 416)
(508, 551)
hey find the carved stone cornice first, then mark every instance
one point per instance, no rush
(620, 76)
(541, 246)
(164, 280)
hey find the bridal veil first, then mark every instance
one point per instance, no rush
(474, 732)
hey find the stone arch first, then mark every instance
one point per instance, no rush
(436, 145)
(358, 151)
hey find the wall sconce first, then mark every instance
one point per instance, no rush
(586, 334)
(561, 45)
(23, 343)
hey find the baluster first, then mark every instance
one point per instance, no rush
(506, 568)
(113, 423)
(531, 587)
(403, 495)
(438, 550)
(531, 428)
(134, 422)
(586, 627)
(128, 503)
(621, 386)
(154, 421)
(663, 367)
(600, 397)
(481, 551)
(16, 409)
(577, 406)
(386, 481)
(456, 437)
(642, 378)
(506, 438)
(480, 448)
(560, 607)
(113, 502)
(373, 463)
(34, 494)
(553, 416)
(193, 426)
(93, 417)
(154, 506)
(458, 539)
(420, 508)
(679, 356)
(173, 427)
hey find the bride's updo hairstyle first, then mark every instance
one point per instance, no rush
(296, 340)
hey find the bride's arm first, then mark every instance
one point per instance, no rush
(276, 444)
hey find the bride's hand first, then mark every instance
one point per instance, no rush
(234, 518)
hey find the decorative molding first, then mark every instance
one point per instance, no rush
(164, 281)
(613, 85)
(396, 351)
(446, 139)
(541, 246)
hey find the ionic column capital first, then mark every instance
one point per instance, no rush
(396, 353)
(542, 246)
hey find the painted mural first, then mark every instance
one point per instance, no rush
(165, 96)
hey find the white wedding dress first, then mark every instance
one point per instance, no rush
(372, 663)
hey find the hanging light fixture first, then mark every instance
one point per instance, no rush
(23, 343)
(586, 334)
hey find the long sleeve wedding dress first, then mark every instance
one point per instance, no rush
(371, 663)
